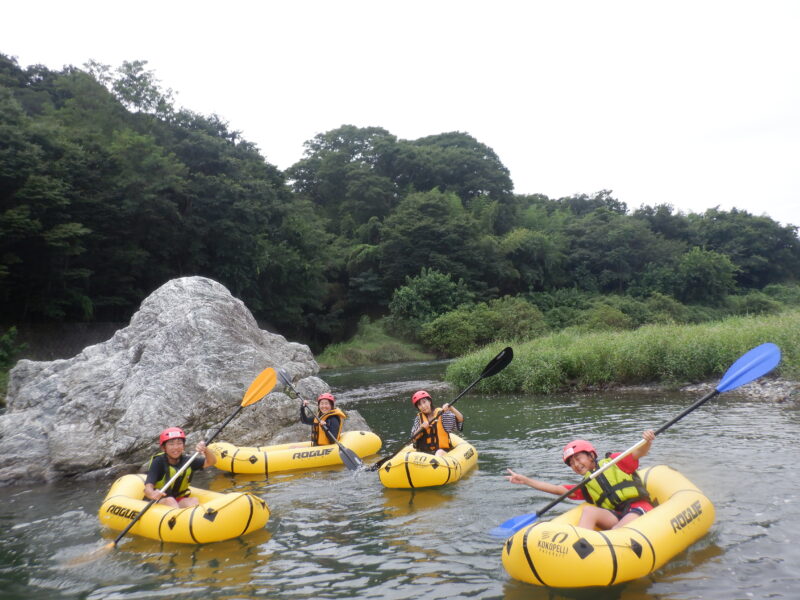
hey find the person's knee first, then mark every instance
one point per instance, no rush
(631, 516)
(596, 517)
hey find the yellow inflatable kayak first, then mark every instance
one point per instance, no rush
(411, 469)
(557, 553)
(265, 460)
(218, 516)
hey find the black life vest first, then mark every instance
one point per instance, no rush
(179, 489)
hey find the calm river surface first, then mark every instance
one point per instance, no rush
(338, 534)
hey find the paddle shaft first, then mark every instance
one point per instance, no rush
(697, 404)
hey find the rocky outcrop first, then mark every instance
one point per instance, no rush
(764, 388)
(186, 359)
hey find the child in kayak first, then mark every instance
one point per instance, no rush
(327, 413)
(434, 437)
(168, 462)
(617, 496)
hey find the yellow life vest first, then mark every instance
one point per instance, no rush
(614, 488)
(318, 435)
(436, 437)
(179, 489)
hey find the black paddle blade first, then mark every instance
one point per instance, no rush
(498, 363)
(349, 458)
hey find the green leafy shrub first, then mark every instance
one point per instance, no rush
(422, 299)
(562, 317)
(666, 309)
(470, 327)
(787, 294)
(604, 317)
(753, 303)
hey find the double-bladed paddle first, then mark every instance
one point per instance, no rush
(261, 386)
(349, 458)
(497, 364)
(752, 365)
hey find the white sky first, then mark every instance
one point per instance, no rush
(695, 103)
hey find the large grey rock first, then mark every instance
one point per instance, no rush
(186, 359)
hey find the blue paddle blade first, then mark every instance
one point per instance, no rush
(513, 525)
(755, 363)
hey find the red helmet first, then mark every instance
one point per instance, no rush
(171, 433)
(576, 446)
(328, 397)
(419, 396)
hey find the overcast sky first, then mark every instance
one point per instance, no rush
(693, 103)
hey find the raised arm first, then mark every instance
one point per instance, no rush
(542, 486)
(648, 436)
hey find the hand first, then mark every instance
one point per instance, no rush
(201, 448)
(649, 435)
(305, 402)
(515, 477)
(446, 407)
(156, 495)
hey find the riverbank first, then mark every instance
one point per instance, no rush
(765, 388)
(371, 345)
(664, 355)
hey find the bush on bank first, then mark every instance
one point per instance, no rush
(665, 354)
(371, 345)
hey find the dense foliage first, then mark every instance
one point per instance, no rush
(107, 191)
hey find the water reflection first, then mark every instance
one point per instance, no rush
(399, 502)
(339, 534)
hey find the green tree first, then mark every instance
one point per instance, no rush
(704, 277)
(434, 230)
(608, 251)
(537, 260)
(135, 87)
(662, 220)
(423, 298)
(763, 250)
(582, 205)
(342, 171)
(40, 237)
(453, 161)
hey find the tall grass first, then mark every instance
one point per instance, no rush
(666, 354)
(371, 345)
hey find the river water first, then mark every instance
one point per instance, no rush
(339, 534)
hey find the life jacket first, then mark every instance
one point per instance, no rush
(614, 488)
(318, 435)
(436, 437)
(179, 489)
